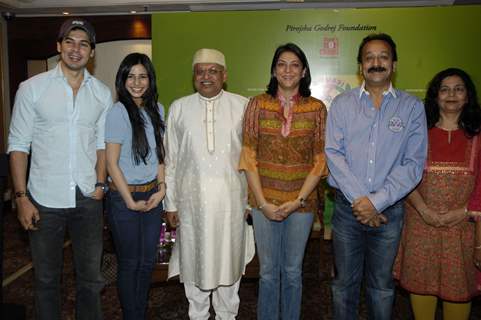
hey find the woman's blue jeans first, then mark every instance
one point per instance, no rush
(362, 250)
(280, 248)
(135, 235)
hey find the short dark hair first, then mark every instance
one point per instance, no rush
(470, 119)
(377, 36)
(305, 82)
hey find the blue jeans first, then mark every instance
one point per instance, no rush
(280, 248)
(135, 235)
(84, 224)
(360, 249)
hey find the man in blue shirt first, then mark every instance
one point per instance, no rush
(376, 144)
(59, 118)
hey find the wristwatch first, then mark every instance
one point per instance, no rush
(302, 202)
(104, 186)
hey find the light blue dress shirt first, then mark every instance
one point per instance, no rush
(119, 130)
(378, 153)
(62, 132)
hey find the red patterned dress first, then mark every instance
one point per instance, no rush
(439, 261)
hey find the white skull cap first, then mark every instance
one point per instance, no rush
(205, 55)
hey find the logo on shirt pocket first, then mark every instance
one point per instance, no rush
(396, 124)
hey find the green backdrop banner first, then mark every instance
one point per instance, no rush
(428, 39)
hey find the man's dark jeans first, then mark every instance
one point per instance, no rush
(84, 224)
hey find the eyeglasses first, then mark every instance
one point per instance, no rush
(456, 90)
(210, 72)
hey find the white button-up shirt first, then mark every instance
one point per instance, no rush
(63, 133)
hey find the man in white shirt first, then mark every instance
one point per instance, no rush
(58, 118)
(206, 194)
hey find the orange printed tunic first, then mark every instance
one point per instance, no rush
(283, 163)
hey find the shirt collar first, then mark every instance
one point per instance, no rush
(390, 90)
(212, 98)
(58, 73)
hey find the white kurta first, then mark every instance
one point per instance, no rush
(203, 143)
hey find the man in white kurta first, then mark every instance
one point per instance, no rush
(206, 194)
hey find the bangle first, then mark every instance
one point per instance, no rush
(262, 206)
(161, 182)
(20, 194)
(478, 247)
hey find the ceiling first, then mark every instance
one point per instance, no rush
(12, 8)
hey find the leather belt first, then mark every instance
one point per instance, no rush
(146, 187)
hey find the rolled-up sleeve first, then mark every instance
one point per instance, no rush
(22, 123)
(100, 130)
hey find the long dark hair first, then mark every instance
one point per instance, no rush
(470, 119)
(305, 82)
(140, 145)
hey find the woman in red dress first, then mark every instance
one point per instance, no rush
(435, 258)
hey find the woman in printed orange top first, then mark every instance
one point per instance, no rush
(435, 258)
(283, 157)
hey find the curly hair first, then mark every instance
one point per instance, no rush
(470, 119)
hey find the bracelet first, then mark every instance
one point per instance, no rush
(477, 247)
(20, 194)
(161, 182)
(262, 206)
